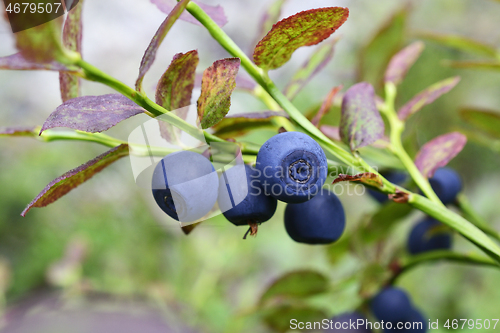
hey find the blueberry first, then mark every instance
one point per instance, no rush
(391, 304)
(185, 185)
(415, 323)
(447, 184)
(347, 323)
(320, 220)
(241, 199)
(427, 236)
(293, 167)
(395, 177)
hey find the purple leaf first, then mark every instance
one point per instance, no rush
(219, 81)
(333, 132)
(306, 28)
(71, 179)
(360, 121)
(92, 113)
(72, 40)
(402, 61)
(438, 152)
(216, 13)
(427, 96)
(18, 62)
(242, 123)
(318, 60)
(150, 54)
(19, 131)
(175, 88)
(242, 82)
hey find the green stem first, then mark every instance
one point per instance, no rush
(469, 212)
(397, 128)
(457, 222)
(424, 258)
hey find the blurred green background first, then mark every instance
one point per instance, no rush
(212, 279)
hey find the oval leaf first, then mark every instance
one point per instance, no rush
(18, 62)
(427, 96)
(485, 120)
(92, 113)
(438, 152)
(216, 87)
(360, 121)
(72, 40)
(299, 284)
(319, 59)
(306, 28)
(149, 56)
(241, 124)
(216, 13)
(71, 179)
(402, 61)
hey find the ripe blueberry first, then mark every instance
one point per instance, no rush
(391, 304)
(241, 198)
(347, 323)
(447, 184)
(293, 167)
(395, 177)
(427, 236)
(320, 220)
(185, 185)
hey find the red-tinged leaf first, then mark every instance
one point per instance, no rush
(486, 120)
(149, 56)
(216, 13)
(306, 28)
(486, 65)
(175, 88)
(360, 121)
(402, 61)
(241, 124)
(387, 41)
(19, 131)
(71, 179)
(242, 82)
(217, 86)
(319, 59)
(427, 96)
(72, 40)
(438, 152)
(270, 17)
(333, 132)
(461, 43)
(18, 62)
(41, 43)
(92, 113)
(367, 178)
(327, 104)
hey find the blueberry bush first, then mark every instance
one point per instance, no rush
(359, 136)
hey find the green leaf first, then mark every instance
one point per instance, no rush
(72, 40)
(217, 85)
(438, 152)
(461, 43)
(318, 60)
(280, 318)
(375, 56)
(73, 178)
(487, 65)
(270, 17)
(306, 28)
(150, 54)
(402, 61)
(485, 120)
(243, 123)
(360, 122)
(296, 285)
(427, 96)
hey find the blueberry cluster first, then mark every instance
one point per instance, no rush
(392, 305)
(291, 167)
